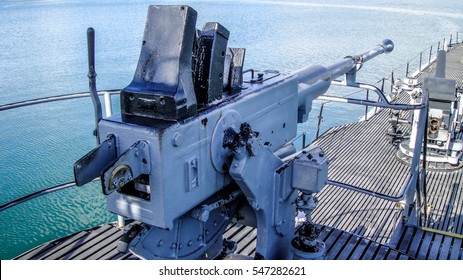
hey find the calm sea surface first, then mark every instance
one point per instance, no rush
(43, 52)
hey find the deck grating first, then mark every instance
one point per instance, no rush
(340, 245)
(362, 155)
(425, 245)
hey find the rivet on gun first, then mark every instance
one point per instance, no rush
(177, 139)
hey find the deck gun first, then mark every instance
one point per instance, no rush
(200, 143)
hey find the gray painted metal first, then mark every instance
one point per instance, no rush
(440, 64)
(173, 196)
(195, 152)
(314, 81)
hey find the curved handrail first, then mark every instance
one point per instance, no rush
(36, 101)
(38, 193)
(29, 102)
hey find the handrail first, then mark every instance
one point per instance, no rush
(36, 101)
(414, 168)
(29, 102)
(38, 194)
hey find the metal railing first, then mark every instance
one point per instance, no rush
(105, 93)
(37, 194)
(5, 107)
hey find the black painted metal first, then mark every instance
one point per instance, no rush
(91, 165)
(36, 194)
(162, 87)
(92, 80)
(209, 65)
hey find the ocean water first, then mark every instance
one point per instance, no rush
(43, 52)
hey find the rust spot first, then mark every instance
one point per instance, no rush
(204, 122)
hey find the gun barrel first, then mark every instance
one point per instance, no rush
(315, 80)
(350, 62)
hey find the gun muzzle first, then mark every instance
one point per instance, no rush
(315, 80)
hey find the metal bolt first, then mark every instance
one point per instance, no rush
(190, 243)
(161, 243)
(177, 139)
(121, 182)
(173, 246)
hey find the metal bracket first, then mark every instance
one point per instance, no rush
(130, 165)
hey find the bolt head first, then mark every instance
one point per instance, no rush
(177, 139)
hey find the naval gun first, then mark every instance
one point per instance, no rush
(200, 143)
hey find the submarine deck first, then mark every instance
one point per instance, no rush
(100, 243)
(361, 154)
(354, 225)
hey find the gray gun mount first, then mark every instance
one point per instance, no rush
(220, 160)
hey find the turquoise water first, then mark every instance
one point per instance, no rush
(43, 53)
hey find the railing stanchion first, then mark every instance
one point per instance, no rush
(320, 117)
(430, 54)
(421, 60)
